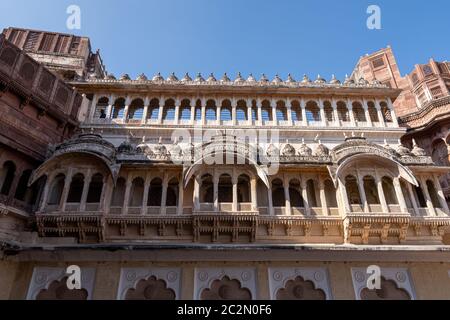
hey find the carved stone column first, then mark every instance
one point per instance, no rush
(162, 102)
(254, 193)
(164, 194)
(126, 199)
(180, 197)
(193, 104)
(344, 196)
(441, 195)
(287, 196)
(399, 193)
(323, 198)
(289, 112)
(392, 110)
(322, 113)
(305, 196)
(335, 113)
(196, 200)
(87, 182)
(367, 113)
(249, 112)
(259, 108)
(93, 108)
(235, 193)
(362, 193)
(44, 199)
(350, 113)
(431, 210)
(383, 203)
(145, 196)
(126, 110)
(145, 113)
(203, 102)
(219, 113)
(216, 192)
(233, 112)
(379, 113)
(273, 104)
(303, 107)
(270, 202)
(110, 107)
(412, 197)
(177, 111)
(65, 193)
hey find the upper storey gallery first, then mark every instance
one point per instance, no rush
(239, 102)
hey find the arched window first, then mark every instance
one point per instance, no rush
(225, 189)
(241, 111)
(295, 194)
(101, 107)
(153, 110)
(7, 175)
(155, 193)
(278, 198)
(342, 110)
(373, 113)
(95, 189)
(371, 190)
(389, 190)
(433, 194)
(22, 187)
(206, 192)
(243, 189)
(169, 110)
(76, 188)
(185, 110)
(296, 111)
(172, 193)
(211, 111)
(136, 109)
(311, 191)
(56, 189)
(330, 194)
(118, 193)
(198, 111)
(281, 111)
(266, 111)
(351, 186)
(328, 109)
(358, 112)
(137, 192)
(225, 110)
(118, 108)
(312, 111)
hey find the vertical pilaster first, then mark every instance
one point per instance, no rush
(65, 193)
(399, 193)
(423, 184)
(87, 182)
(305, 196)
(383, 203)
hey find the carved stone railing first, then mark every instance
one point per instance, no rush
(429, 112)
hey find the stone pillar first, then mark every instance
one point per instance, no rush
(287, 197)
(269, 201)
(107, 191)
(392, 109)
(399, 193)
(305, 196)
(126, 110)
(289, 112)
(343, 193)
(180, 197)
(367, 114)
(303, 106)
(441, 195)
(254, 193)
(110, 107)
(216, 192)
(350, 113)
(145, 197)
(431, 210)
(65, 193)
(87, 182)
(235, 193)
(323, 198)
(249, 112)
(145, 113)
(383, 203)
(196, 199)
(177, 111)
(162, 101)
(219, 113)
(126, 199)
(273, 104)
(259, 108)
(44, 199)
(322, 113)
(203, 103)
(362, 194)
(379, 113)
(233, 112)
(193, 103)
(335, 113)
(164, 194)
(93, 108)
(413, 199)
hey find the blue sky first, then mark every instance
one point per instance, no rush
(269, 37)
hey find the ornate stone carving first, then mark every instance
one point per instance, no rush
(418, 151)
(288, 150)
(304, 150)
(273, 151)
(321, 150)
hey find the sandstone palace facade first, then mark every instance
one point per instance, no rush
(205, 188)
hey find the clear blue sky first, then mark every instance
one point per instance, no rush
(244, 35)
